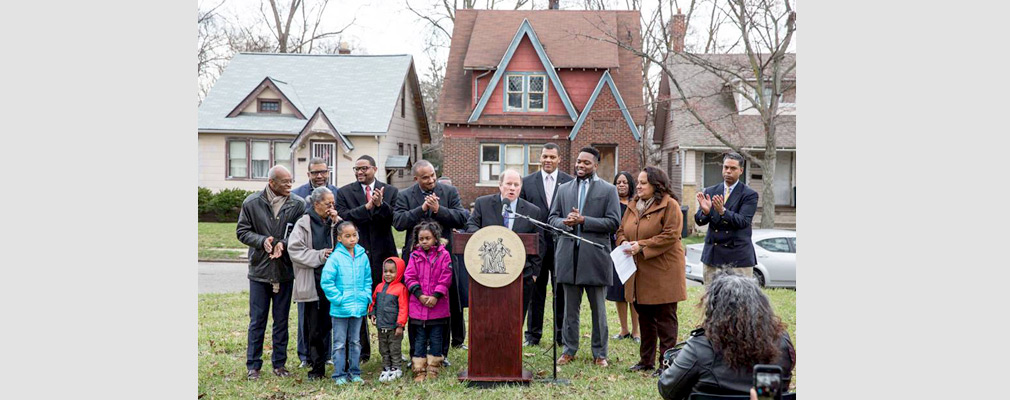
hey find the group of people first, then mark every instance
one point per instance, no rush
(334, 255)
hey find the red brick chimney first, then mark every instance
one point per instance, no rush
(553, 5)
(678, 29)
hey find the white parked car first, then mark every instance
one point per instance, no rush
(776, 257)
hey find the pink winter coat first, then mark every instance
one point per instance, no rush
(431, 271)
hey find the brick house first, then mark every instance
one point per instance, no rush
(692, 156)
(269, 109)
(518, 79)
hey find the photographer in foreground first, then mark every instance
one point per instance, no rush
(739, 330)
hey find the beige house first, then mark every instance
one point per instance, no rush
(269, 109)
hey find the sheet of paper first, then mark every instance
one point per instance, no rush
(623, 263)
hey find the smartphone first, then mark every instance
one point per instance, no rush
(768, 381)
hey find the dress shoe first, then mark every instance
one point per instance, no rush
(601, 362)
(657, 372)
(565, 359)
(253, 374)
(640, 368)
(281, 372)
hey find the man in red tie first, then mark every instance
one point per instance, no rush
(369, 203)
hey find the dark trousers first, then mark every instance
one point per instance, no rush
(528, 287)
(303, 341)
(535, 321)
(389, 348)
(262, 301)
(656, 321)
(427, 340)
(317, 332)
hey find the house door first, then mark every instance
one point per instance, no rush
(783, 179)
(328, 152)
(608, 162)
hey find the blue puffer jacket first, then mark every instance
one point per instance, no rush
(347, 282)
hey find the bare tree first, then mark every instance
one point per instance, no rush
(307, 27)
(763, 33)
(212, 43)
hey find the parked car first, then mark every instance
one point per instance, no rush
(776, 256)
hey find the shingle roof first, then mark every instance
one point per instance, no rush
(557, 31)
(358, 93)
(714, 101)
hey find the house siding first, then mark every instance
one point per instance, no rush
(406, 130)
(270, 94)
(525, 59)
(212, 170)
(606, 125)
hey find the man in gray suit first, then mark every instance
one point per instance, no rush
(587, 207)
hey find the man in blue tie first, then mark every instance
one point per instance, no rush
(501, 209)
(587, 207)
(728, 208)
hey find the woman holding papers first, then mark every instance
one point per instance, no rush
(651, 226)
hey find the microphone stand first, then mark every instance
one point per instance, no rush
(554, 344)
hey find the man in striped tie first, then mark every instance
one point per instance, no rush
(728, 208)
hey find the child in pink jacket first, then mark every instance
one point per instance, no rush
(427, 279)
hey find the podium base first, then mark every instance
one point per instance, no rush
(495, 381)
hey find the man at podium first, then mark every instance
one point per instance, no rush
(500, 209)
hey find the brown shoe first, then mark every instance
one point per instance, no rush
(601, 362)
(281, 372)
(565, 359)
(434, 363)
(253, 374)
(420, 367)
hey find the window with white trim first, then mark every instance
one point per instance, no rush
(252, 158)
(496, 157)
(525, 92)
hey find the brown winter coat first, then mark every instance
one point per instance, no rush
(660, 275)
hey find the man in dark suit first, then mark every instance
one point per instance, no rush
(498, 209)
(540, 188)
(369, 203)
(428, 199)
(588, 207)
(728, 209)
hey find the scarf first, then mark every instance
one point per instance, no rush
(643, 205)
(321, 238)
(276, 201)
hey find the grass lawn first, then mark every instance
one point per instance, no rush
(223, 319)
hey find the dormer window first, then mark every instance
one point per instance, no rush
(526, 92)
(269, 106)
(745, 107)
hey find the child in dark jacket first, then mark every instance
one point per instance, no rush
(389, 314)
(427, 278)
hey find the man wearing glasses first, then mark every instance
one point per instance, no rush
(369, 204)
(319, 175)
(264, 223)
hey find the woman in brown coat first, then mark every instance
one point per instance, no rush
(652, 225)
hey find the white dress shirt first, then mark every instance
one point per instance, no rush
(549, 187)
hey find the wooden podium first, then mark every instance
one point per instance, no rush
(496, 321)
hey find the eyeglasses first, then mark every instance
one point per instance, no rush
(356, 169)
(285, 181)
(318, 172)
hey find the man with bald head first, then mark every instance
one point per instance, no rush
(500, 209)
(264, 223)
(431, 200)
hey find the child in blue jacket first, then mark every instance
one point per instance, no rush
(347, 282)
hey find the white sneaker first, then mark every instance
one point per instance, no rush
(329, 362)
(396, 373)
(384, 376)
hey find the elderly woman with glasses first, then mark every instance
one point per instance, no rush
(310, 244)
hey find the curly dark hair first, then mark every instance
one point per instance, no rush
(426, 225)
(660, 183)
(740, 322)
(631, 183)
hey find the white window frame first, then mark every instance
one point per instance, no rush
(509, 91)
(525, 94)
(543, 91)
(489, 164)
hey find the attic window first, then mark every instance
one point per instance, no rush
(525, 92)
(269, 106)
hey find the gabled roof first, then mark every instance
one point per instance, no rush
(357, 93)
(562, 35)
(268, 83)
(713, 99)
(525, 30)
(332, 131)
(608, 81)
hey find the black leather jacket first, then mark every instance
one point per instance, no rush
(699, 369)
(256, 222)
